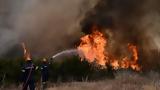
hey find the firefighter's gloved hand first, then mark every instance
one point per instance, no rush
(37, 67)
(51, 60)
(23, 70)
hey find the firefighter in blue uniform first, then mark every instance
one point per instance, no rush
(28, 75)
(44, 72)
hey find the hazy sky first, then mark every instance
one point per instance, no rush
(45, 25)
(50, 26)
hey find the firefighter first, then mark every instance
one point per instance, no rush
(28, 70)
(44, 72)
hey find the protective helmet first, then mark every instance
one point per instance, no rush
(44, 60)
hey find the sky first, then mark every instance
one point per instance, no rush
(46, 26)
(50, 26)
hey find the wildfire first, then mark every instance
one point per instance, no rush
(93, 49)
(26, 52)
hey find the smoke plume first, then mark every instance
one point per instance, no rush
(46, 26)
(131, 21)
(49, 26)
(127, 21)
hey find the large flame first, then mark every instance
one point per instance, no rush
(93, 49)
(27, 55)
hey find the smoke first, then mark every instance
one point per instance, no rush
(50, 26)
(46, 26)
(128, 21)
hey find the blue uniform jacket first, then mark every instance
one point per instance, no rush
(44, 72)
(28, 71)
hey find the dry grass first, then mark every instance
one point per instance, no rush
(123, 81)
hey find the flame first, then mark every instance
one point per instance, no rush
(134, 51)
(93, 49)
(26, 52)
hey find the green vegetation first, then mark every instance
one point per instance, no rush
(71, 69)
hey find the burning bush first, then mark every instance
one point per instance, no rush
(94, 48)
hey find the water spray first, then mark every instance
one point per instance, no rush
(69, 51)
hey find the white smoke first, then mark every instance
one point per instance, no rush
(45, 25)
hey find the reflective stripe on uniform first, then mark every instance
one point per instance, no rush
(29, 67)
(23, 70)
